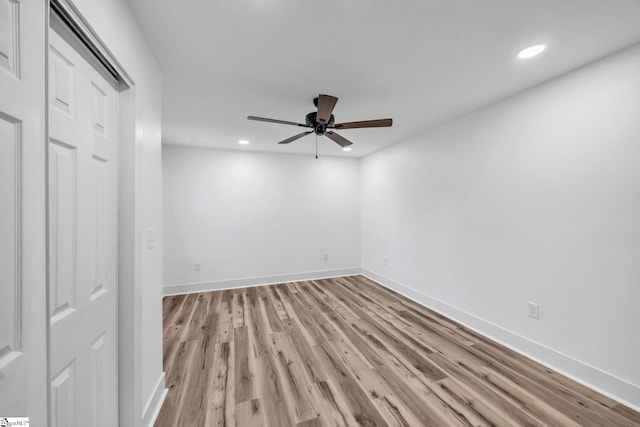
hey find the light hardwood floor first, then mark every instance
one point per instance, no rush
(349, 352)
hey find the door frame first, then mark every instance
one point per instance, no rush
(128, 305)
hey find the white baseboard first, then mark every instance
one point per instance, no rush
(152, 408)
(609, 385)
(189, 288)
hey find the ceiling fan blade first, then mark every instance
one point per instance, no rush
(282, 122)
(293, 138)
(340, 140)
(382, 123)
(326, 104)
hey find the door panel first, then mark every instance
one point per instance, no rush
(63, 399)
(99, 369)
(63, 202)
(62, 82)
(101, 178)
(82, 222)
(9, 35)
(9, 237)
(11, 362)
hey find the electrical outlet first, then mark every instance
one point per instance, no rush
(326, 257)
(196, 266)
(385, 261)
(534, 311)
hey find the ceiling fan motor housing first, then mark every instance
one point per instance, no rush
(318, 128)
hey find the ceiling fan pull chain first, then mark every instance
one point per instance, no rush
(316, 145)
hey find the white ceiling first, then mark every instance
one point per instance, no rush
(420, 62)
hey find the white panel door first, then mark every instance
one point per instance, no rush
(82, 237)
(22, 211)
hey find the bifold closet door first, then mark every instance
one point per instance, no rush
(22, 211)
(83, 131)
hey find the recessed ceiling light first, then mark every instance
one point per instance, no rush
(346, 149)
(531, 51)
(243, 142)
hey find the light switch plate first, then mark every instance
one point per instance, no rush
(534, 311)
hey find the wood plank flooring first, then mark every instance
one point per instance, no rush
(349, 352)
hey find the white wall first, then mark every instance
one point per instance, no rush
(536, 198)
(141, 379)
(251, 217)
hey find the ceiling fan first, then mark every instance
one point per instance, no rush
(322, 121)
